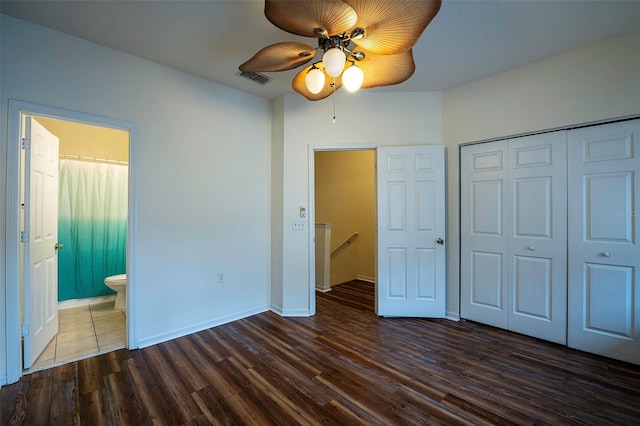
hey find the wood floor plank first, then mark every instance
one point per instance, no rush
(38, 398)
(13, 403)
(343, 366)
(122, 405)
(94, 405)
(183, 365)
(490, 409)
(296, 404)
(415, 407)
(215, 407)
(255, 397)
(206, 367)
(172, 382)
(149, 394)
(64, 389)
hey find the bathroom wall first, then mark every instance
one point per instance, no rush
(89, 141)
(345, 197)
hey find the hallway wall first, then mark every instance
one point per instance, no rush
(345, 198)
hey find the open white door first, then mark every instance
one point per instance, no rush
(411, 230)
(40, 240)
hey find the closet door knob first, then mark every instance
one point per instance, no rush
(59, 246)
(440, 241)
(531, 248)
(605, 254)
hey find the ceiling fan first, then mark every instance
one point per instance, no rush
(365, 43)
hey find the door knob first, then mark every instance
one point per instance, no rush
(59, 246)
(440, 241)
(605, 254)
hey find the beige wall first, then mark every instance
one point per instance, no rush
(89, 141)
(344, 197)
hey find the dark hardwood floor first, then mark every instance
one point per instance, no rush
(343, 366)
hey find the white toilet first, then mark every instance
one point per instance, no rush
(118, 283)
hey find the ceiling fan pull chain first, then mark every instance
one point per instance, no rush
(334, 99)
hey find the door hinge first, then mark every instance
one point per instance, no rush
(24, 329)
(24, 236)
(26, 143)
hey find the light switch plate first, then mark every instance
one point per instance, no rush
(299, 225)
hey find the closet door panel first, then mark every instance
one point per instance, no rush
(483, 294)
(537, 287)
(604, 289)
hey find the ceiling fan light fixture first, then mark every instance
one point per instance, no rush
(314, 80)
(382, 31)
(334, 60)
(352, 78)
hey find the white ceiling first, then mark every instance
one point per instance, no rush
(466, 41)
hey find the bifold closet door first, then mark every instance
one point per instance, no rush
(513, 228)
(604, 261)
(484, 246)
(537, 194)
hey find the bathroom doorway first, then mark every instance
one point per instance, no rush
(76, 303)
(91, 242)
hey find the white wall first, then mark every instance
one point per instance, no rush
(201, 171)
(597, 82)
(367, 119)
(277, 179)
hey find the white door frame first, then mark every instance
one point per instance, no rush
(17, 111)
(312, 212)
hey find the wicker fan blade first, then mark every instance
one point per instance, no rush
(279, 57)
(393, 26)
(300, 86)
(302, 17)
(386, 70)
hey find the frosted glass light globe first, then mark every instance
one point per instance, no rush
(314, 80)
(334, 60)
(352, 78)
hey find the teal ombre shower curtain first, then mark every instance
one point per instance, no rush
(92, 225)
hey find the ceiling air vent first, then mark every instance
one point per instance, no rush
(254, 76)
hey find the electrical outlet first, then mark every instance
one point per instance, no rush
(220, 278)
(299, 225)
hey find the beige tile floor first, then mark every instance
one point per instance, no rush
(84, 331)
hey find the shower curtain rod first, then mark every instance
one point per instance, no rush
(92, 159)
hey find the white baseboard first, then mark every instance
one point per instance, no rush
(154, 340)
(294, 313)
(289, 312)
(453, 316)
(366, 278)
(74, 303)
(276, 309)
(323, 290)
